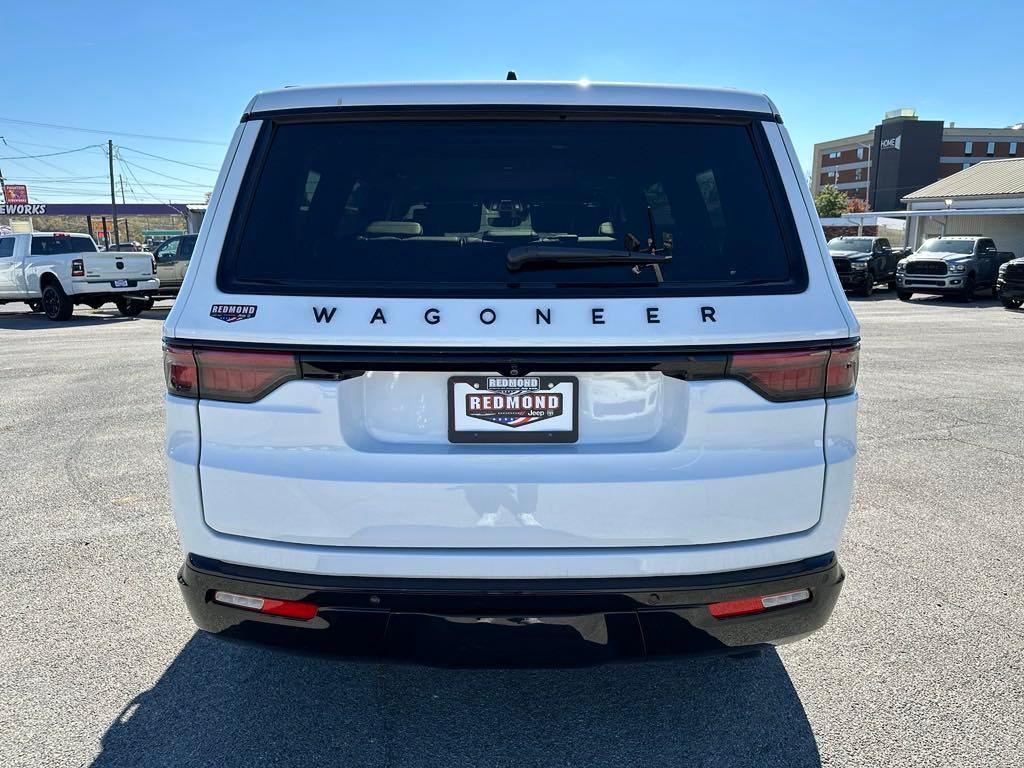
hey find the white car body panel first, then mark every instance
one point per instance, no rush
(358, 478)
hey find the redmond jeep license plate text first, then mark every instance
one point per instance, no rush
(512, 409)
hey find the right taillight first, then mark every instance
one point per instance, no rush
(843, 364)
(239, 376)
(799, 374)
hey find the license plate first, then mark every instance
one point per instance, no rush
(120, 283)
(513, 409)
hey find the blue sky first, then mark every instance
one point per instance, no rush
(186, 69)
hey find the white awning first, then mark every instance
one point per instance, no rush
(938, 212)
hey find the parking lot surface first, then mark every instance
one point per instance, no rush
(920, 665)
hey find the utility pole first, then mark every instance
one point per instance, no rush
(120, 180)
(113, 198)
(3, 189)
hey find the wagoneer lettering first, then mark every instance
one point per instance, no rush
(514, 397)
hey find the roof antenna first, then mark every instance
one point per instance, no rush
(511, 75)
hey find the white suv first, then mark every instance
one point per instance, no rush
(515, 369)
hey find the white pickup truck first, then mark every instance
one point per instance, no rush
(54, 271)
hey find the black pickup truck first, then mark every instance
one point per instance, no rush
(1010, 284)
(864, 261)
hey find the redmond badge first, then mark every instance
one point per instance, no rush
(232, 313)
(514, 401)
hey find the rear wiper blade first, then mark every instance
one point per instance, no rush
(526, 256)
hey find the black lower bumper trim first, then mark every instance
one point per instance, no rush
(1010, 290)
(513, 622)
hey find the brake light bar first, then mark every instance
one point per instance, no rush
(246, 375)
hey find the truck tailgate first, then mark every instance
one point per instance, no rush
(117, 266)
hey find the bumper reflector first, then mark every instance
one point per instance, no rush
(288, 608)
(757, 604)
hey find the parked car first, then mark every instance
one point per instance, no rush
(54, 271)
(172, 258)
(1010, 283)
(125, 247)
(951, 265)
(863, 262)
(442, 379)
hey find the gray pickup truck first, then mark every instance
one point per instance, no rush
(864, 261)
(951, 265)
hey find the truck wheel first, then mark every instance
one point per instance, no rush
(1011, 303)
(869, 286)
(904, 295)
(56, 303)
(968, 292)
(130, 307)
(35, 306)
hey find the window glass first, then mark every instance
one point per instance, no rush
(168, 250)
(421, 206)
(940, 245)
(6, 247)
(856, 244)
(53, 245)
(187, 246)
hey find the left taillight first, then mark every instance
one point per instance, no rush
(77, 268)
(238, 376)
(180, 372)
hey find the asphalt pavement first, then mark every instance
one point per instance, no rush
(920, 665)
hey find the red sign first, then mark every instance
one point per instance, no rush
(15, 194)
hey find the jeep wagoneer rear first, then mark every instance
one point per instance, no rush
(512, 369)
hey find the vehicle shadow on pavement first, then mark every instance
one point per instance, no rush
(978, 302)
(33, 321)
(221, 704)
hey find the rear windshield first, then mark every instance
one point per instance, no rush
(51, 245)
(434, 207)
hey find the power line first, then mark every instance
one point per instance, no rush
(158, 173)
(112, 133)
(26, 156)
(170, 160)
(131, 173)
(48, 154)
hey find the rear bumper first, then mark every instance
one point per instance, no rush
(135, 287)
(513, 622)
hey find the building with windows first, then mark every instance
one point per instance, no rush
(903, 153)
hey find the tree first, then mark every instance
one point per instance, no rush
(830, 202)
(856, 205)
